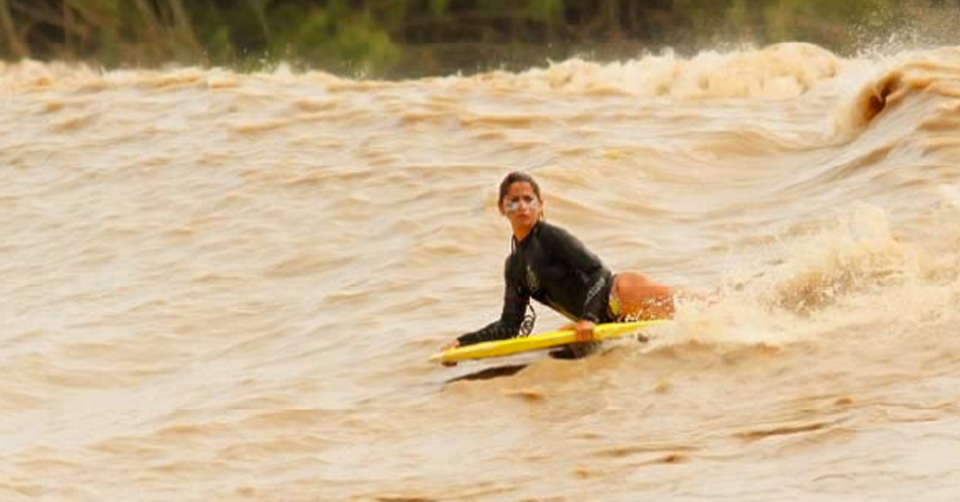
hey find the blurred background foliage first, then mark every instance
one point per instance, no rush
(409, 38)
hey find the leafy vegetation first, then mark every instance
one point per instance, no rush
(415, 37)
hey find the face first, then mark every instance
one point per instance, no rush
(521, 205)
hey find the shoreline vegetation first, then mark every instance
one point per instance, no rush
(408, 39)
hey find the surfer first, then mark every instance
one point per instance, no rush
(552, 266)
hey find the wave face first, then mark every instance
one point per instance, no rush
(223, 286)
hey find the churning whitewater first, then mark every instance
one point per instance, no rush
(226, 286)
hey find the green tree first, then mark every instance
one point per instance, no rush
(412, 37)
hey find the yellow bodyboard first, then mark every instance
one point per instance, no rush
(510, 346)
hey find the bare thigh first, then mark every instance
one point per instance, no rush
(641, 298)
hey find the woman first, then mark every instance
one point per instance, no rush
(551, 266)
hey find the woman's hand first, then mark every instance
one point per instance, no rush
(584, 330)
(454, 344)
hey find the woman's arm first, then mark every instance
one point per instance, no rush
(583, 262)
(515, 301)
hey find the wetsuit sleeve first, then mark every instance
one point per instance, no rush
(515, 301)
(572, 252)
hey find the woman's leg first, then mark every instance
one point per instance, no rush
(633, 297)
(640, 298)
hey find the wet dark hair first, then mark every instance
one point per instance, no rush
(517, 177)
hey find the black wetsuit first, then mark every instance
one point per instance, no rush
(554, 268)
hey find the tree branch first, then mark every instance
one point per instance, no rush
(17, 46)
